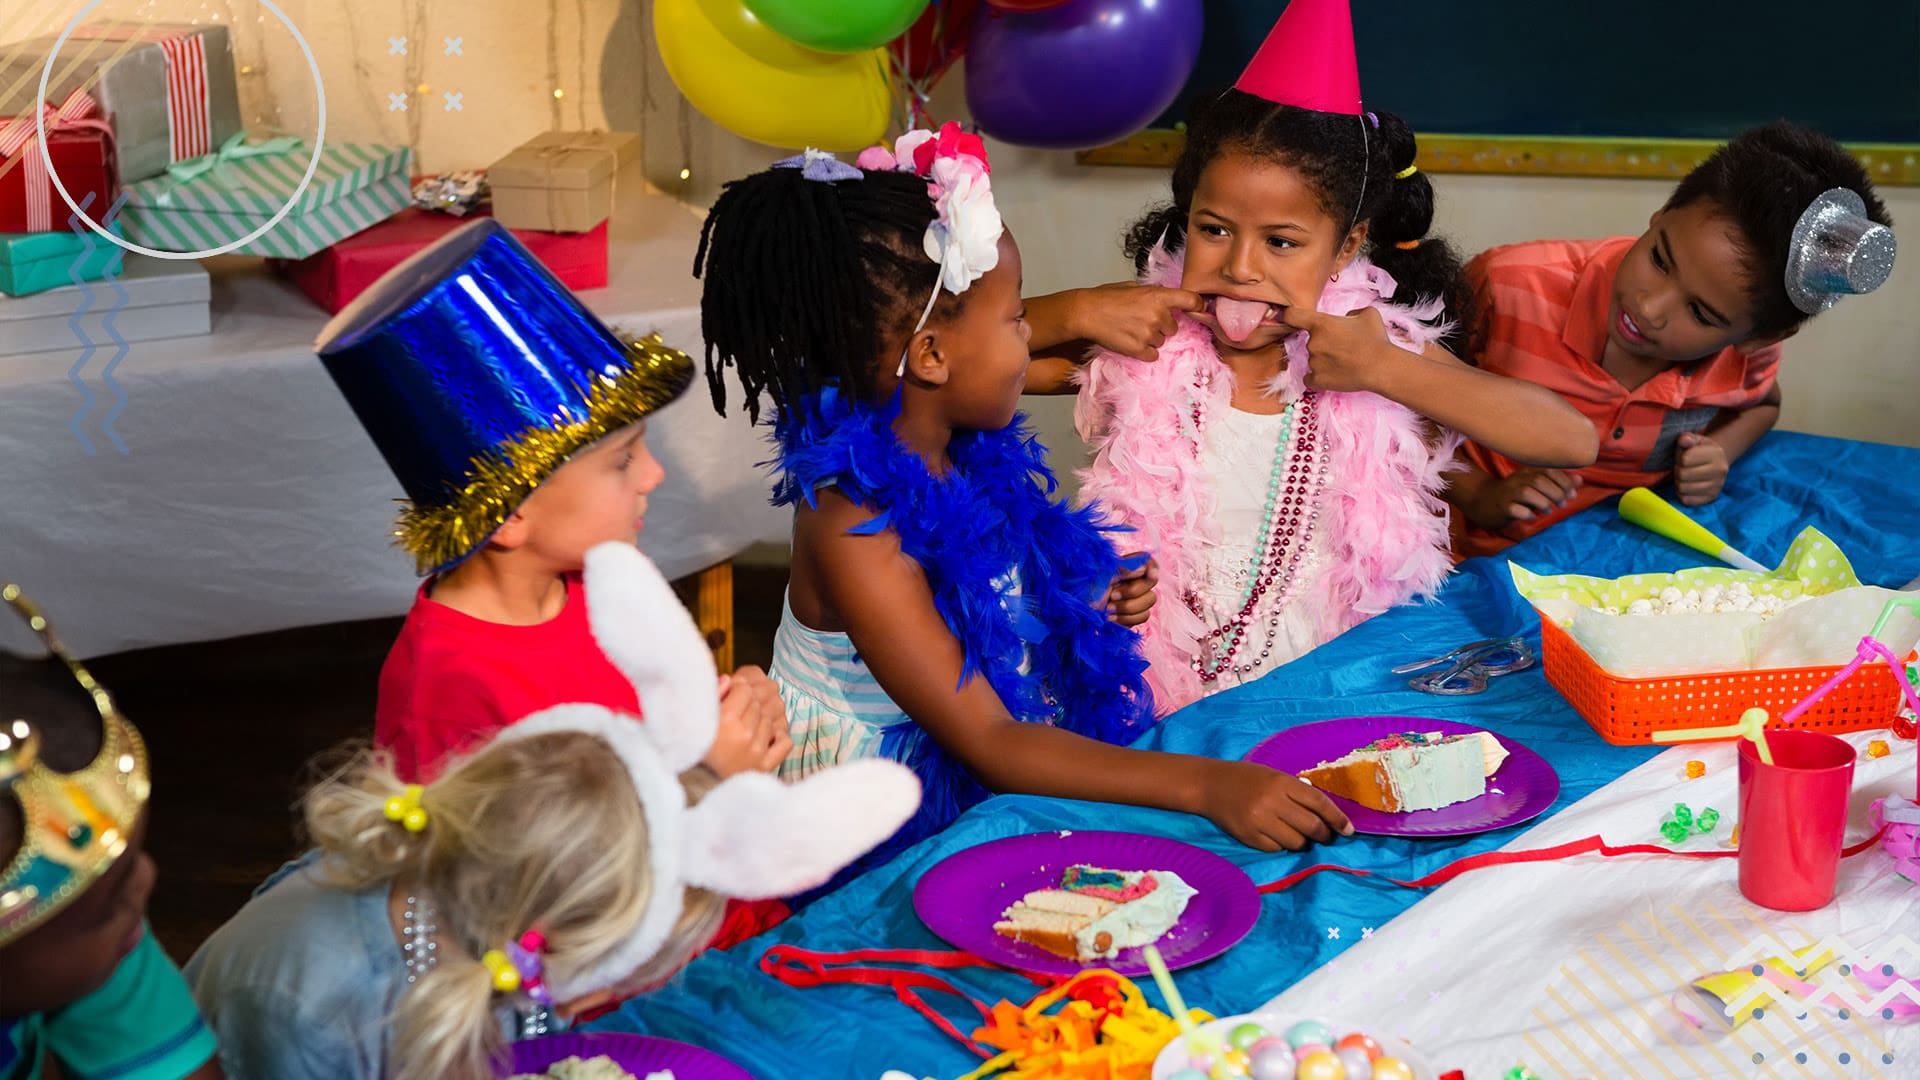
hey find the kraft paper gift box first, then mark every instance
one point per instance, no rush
(560, 181)
(165, 298)
(167, 90)
(206, 203)
(35, 262)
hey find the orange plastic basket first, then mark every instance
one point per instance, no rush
(1627, 711)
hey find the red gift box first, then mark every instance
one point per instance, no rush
(338, 274)
(81, 146)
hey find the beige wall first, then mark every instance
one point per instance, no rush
(1854, 372)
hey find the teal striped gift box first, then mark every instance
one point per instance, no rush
(219, 198)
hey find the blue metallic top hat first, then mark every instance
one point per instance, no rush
(478, 373)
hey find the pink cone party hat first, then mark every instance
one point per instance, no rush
(1307, 60)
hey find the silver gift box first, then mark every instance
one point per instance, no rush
(132, 91)
(166, 298)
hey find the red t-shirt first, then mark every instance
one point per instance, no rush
(451, 681)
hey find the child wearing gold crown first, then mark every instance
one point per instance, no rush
(577, 857)
(85, 990)
(1669, 343)
(1283, 455)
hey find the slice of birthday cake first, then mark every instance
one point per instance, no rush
(1412, 770)
(1096, 912)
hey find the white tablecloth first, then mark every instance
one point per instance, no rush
(1568, 967)
(250, 498)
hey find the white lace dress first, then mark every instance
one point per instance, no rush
(1239, 454)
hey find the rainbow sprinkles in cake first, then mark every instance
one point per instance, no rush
(1412, 770)
(1097, 912)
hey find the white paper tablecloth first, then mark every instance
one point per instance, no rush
(1568, 967)
(251, 499)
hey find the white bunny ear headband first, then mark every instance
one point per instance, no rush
(753, 837)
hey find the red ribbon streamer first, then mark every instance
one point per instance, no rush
(804, 968)
(1569, 849)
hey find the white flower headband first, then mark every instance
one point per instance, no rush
(964, 236)
(752, 837)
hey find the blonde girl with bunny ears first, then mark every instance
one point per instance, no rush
(580, 856)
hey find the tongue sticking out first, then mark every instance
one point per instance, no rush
(1238, 318)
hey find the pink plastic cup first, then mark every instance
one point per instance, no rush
(1793, 819)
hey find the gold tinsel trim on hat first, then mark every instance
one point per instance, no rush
(501, 479)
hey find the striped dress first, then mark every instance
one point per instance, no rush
(836, 710)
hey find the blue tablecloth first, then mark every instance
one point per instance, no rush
(1865, 496)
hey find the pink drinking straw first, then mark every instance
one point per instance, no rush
(1752, 723)
(1871, 649)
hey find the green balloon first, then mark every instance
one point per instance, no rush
(838, 26)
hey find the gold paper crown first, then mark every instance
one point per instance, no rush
(76, 824)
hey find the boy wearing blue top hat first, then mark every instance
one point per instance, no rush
(515, 421)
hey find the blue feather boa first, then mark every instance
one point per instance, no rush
(994, 511)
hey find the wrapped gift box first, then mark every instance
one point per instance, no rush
(344, 270)
(561, 181)
(227, 195)
(82, 148)
(35, 262)
(165, 298)
(168, 90)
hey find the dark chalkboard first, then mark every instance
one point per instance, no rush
(1519, 80)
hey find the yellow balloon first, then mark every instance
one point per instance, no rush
(758, 84)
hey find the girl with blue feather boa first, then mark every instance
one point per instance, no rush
(945, 610)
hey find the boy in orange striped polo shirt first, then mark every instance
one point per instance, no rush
(1669, 342)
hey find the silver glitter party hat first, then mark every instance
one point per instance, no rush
(1836, 251)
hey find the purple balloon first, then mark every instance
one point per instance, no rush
(1083, 74)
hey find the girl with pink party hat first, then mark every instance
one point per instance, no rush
(1284, 455)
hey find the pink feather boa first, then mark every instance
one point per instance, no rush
(1382, 509)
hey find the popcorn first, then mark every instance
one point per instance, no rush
(1712, 600)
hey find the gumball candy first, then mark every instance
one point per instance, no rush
(1358, 1065)
(1271, 1059)
(1321, 1065)
(1361, 1041)
(1189, 1074)
(1245, 1035)
(1392, 1068)
(1304, 1049)
(1309, 1031)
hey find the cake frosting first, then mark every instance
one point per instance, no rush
(1097, 912)
(1412, 770)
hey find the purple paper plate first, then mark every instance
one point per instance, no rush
(965, 894)
(638, 1054)
(1521, 790)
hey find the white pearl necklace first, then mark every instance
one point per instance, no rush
(422, 952)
